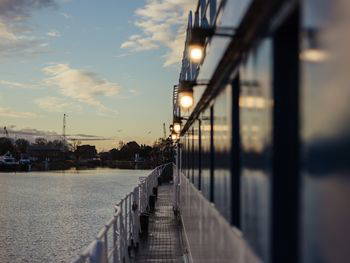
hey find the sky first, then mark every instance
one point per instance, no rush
(109, 65)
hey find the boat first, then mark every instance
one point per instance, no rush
(261, 171)
(8, 162)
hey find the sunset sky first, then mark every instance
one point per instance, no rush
(110, 65)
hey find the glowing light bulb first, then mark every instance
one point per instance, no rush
(186, 100)
(196, 53)
(173, 136)
(177, 127)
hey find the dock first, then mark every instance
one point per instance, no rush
(163, 243)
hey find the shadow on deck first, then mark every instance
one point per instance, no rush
(163, 243)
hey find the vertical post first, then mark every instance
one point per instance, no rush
(115, 241)
(286, 177)
(105, 250)
(121, 233)
(130, 218)
(212, 155)
(199, 154)
(235, 155)
(126, 220)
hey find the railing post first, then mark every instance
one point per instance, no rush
(126, 219)
(135, 214)
(121, 234)
(126, 228)
(115, 239)
(130, 219)
(105, 250)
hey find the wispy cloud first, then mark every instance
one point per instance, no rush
(13, 84)
(66, 16)
(31, 133)
(53, 33)
(55, 104)
(83, 86)
(163, 23)
(16, 37)
(139, 43)
(10, 113)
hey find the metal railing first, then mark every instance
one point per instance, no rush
(121, 233)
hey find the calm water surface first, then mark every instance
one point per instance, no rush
(51, 216)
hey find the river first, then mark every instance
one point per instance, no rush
(51, 216)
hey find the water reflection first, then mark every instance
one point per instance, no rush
(51, 216)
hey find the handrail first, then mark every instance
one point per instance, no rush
(124, 224)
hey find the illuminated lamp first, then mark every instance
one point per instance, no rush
(186, 94)
(198, 37)
(177, 124)
(313, 51)
(174, 136)
(196, 44)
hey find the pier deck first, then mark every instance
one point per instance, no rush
(164, 240)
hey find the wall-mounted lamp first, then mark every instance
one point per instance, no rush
(177, 124)
(177, 127)
(313, 50)
(198, 36)
(174, 136)
(185, 90)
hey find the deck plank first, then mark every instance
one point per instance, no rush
(163, 243)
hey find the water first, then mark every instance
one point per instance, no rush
(51, 216)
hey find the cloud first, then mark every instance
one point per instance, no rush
(31, 134)
(87, 137)
(138, 43)
(20, 85)
(17, 9)
(55, 104)
(163, 23)
(53, 33)
(16, 38)
(81, 85)
(66, 16)
(7, 112)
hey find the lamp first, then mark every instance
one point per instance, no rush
(177, 124)
(198, 36)
(313, 50)
(171, 127)
(196, 44)
(177, 127)
(174, 136)
(186, 94)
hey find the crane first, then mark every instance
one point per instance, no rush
(164, 130)
(64, 127)
(6, 132)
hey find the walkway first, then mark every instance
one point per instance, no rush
(164, 241)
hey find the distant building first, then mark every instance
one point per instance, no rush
(85, 152)
(43, 152)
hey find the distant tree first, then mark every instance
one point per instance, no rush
(104, 156)
(86, 151)
(6, 145)
(21, 145)
(74, 145)
(120, 145)
(60, 144)
(40, 141)
(114, 154)
(145, 151)
(128, 151)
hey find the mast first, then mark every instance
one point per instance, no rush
(64, 127)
